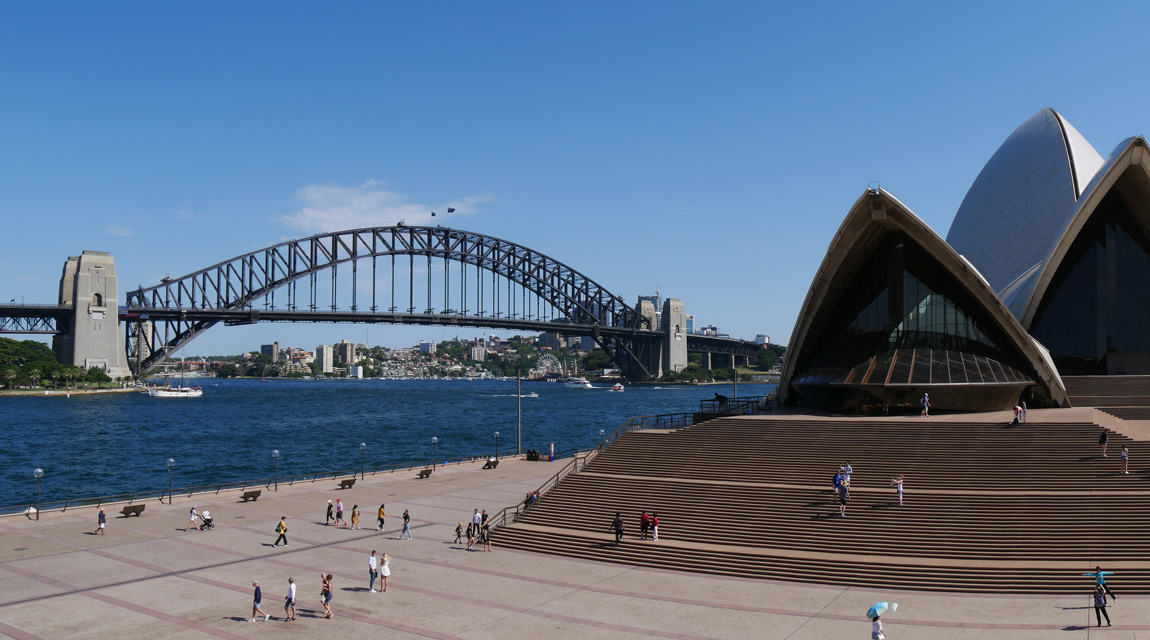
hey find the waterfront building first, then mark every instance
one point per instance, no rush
(427, 347)
(1057, 233)
(894, 312)
(345, 353)
(272, 350)
(325, 358)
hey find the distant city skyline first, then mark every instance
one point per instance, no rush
(708, 152)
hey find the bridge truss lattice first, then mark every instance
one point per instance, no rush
(451, 277)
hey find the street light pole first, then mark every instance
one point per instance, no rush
(171, 463)
(434, 441)
(600, 440)
(37, 473)
(496, 445)
(276, 459)
(519, 408)
(362, 448)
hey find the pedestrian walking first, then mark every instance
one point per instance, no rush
(644, 525)
(844, 491)
(381, 515)
(1100, 605)
(896, 482)
(470, 537)
(372, 571)
(486, 535)
(1100, 580)
(289, 601)
(101, 520)
(458, 532)
(847, 470)
(406, 526)
(619, 527)
(925, 406)
(475, 523)
(1103, 439)
(330, 514)
(192, 515)
(385, 570)
(325, 594)
(836, 481)
(256, 610)
(876, 632)
(282, 530)
(655, 527)
(339, 521)
(1125, 461)
(355, 516)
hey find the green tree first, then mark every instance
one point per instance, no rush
(228, 370)
(97, 375)
(596, 360)
(55, 375)
(34, 375)
(10, 375)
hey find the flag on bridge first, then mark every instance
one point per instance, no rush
(432, 214)
(450, 210)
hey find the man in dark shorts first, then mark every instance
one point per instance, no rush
(844, 489)
(619, 527)
(644, 525)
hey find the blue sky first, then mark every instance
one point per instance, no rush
(714, 147)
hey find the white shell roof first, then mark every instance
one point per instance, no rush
(1020, 205)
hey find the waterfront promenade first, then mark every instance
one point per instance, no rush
(147, 578)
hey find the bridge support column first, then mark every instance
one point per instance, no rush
(674, 323)
(707, 361)
(93, 337)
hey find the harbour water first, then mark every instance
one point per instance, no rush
(105, 445)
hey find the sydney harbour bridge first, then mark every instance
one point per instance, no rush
(396, 275)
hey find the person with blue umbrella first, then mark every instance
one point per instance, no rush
(876, 610)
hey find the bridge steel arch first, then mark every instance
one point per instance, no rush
(159, 320)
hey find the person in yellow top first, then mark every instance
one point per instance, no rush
(355, 516)
(382, 514)
(282, 530)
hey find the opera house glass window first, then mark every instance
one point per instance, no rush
(904, 322)
(1095, 315)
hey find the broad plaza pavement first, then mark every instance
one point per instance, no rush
(147, 578)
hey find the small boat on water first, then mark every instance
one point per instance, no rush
(175, 392)
(577, 383)
(616, 387)
(530, 395)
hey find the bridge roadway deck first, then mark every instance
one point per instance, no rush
(147, 578)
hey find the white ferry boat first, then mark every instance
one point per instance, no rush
(616, 387)
(577, 383)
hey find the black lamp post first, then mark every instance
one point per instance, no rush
(519, 408)
(434, 441)
(171, 463)
(496, 445)
(38, 473)
(276, 461)
(362, 454)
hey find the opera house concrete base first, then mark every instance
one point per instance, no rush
(883, 400)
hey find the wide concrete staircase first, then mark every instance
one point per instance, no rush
(989, 507)
(1127, 397)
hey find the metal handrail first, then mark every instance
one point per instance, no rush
(241, 485)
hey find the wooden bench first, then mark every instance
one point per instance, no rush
(491, 464)
(425, 473)
(133, 510)
(251, 495)
(347, 484)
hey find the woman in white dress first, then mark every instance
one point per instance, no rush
(385, 570)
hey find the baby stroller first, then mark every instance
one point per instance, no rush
(207, 524)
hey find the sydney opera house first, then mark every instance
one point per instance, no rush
(1045, 273)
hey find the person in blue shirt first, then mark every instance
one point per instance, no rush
(256, 603)
(1100, 576)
